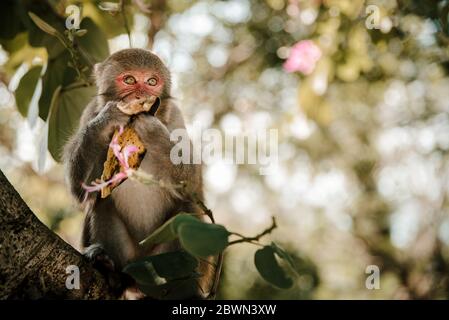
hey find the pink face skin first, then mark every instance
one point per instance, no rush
(138, 84)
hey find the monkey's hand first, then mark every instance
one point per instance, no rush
(107, 121)
(156, 139)
(151, 129)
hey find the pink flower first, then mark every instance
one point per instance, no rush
(303, 57)
(122, 156)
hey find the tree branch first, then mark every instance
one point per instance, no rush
(33, 259)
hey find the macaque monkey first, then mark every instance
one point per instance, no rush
(116, 224)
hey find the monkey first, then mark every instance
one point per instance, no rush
(113, 226)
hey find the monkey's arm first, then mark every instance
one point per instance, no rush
(85, 153)
(156, 137)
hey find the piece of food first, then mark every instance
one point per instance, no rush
(137, 106)
(112, 166)
(129, 137)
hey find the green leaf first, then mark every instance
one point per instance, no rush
(37, 37)
(175, 265)
(168, 231)
(144, 273)
(170, 266)
(94, 44)
(281, 253)
(197, 237)
(168, 275)
(56, 75)
(164, 233)
(203, 239)
(80, 32)
(44, 26)
(269, 268)
(183, 218)
(65, 113)
(26, 88)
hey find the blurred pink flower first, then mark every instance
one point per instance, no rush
(122, 156)
(303, 57)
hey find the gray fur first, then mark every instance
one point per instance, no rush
(133, 210)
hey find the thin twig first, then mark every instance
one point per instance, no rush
(125, 22)
(202, 206)
(157, 18)
(255, 238)
(74, 85)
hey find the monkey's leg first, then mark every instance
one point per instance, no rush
(107, 232)
(108, 245)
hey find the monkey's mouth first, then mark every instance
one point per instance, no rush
(149, 104)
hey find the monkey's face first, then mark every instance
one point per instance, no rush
(132, 74)
(138, 84)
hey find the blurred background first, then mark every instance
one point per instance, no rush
(359, 91)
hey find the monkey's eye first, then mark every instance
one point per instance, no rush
(129, 80)
(152, 81)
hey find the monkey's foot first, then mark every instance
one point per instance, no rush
(118, 281)
(98, 256)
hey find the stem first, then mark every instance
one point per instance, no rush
(257, 237)
(125, 22)
(74, 85)
(203, 207)
(70, 46)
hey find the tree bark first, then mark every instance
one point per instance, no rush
(33, 259)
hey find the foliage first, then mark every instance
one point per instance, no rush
(159, 275)
(66, 80)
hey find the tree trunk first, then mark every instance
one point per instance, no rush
(33, 259)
